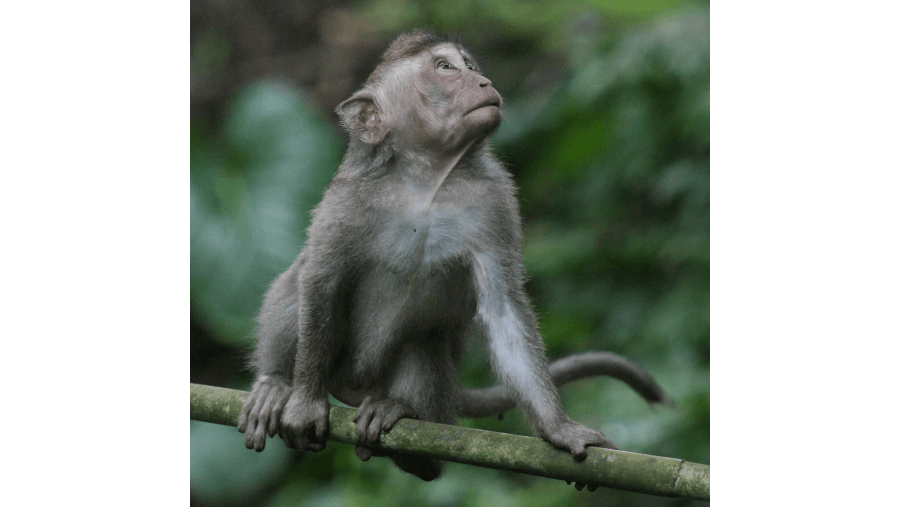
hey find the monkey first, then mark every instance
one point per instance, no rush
(415, 246)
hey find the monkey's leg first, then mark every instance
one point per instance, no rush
(423, 388)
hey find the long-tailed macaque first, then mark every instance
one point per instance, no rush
(415, 246)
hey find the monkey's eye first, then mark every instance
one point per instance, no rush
(470, 66)
(444, 65)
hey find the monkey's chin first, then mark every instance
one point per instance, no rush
(484, 120)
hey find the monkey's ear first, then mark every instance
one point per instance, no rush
(361, 116)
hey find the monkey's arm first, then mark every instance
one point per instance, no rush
(272, 360)
(494, 400)
(304, 421)
(516, 349)
(289, 382)
(517, 352)
(296, 344)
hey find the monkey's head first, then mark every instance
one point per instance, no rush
(427, 93)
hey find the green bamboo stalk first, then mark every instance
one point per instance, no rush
(653, 475)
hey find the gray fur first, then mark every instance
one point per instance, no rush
(415, 246)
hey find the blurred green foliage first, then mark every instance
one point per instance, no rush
(251, 189)
(608, 138)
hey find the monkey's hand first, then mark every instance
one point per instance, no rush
(373, 417)
(575, 437)
(262, 412)
(304, 421)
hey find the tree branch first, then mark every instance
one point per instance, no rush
(642, 473)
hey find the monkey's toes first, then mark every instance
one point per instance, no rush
(363, 453)
(373, 417)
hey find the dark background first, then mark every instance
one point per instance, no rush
(606, 132)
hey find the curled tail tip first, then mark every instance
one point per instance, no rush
(665, 401)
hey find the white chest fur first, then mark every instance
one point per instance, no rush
(428, 227)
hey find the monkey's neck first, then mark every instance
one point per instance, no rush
(435, 173)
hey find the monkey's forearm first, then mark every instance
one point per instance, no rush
(311, 367)
(318, 338)
(494, 400)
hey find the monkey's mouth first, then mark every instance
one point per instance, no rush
(485, 103)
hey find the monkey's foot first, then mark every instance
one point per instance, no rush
(373, 417)
(262, 412)
(424, 468)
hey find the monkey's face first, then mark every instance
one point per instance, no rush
(456, 104)
(437, 101)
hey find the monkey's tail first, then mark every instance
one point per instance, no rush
(494, 400)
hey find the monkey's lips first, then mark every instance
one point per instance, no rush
(485, 103)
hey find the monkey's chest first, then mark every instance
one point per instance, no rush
(392, 305)
(420, 274)
(427, 241)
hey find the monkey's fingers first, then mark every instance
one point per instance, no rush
(260, 410)
(250, 442)
(579, 450)
(363, 453)
(252, 405)
(248, 428)
(607, 444)
(254, 436)
(576, 438)
(580, 485)
(259, 438)
(603, 442)
(291, 439)
(301, 436)
(263, 411)
(276, 409)
(322, 429)
(317, 435)
(272, 429)
(244, 418)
